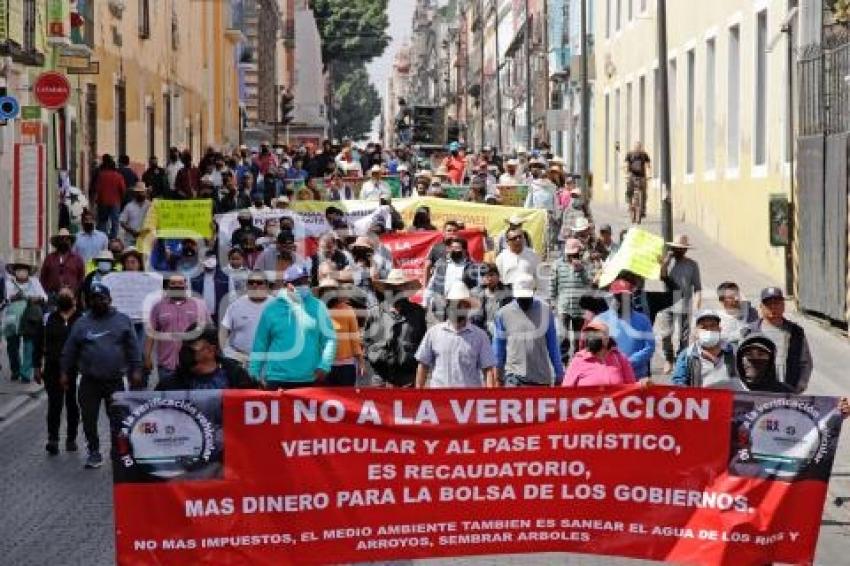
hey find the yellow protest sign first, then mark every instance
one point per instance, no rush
(492, 218)
(640, 253)
(183, 218)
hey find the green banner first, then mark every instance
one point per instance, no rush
(184, 218)
(456, 192)
(30, 112)
(513, 195)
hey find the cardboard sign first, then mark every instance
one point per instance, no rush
(130, 290)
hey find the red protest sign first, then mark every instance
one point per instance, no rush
(332, 476)
(410, 249)
(52, 90)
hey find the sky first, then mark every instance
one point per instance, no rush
(401, 18)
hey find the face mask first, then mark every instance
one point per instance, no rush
(63, 245)
(99, 308)
(525, 303)
(88, 226)
(64, 302)
(210, 263)
(708, 338)
(596, 344)
(577, 203)
(754, 368)
(177, 295)
(456, 314)
(456, 256)
(245, 222)
(104, 266)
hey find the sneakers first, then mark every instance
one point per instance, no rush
(70, 445)
(95, 460)
(52, 447)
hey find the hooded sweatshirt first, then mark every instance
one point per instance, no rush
(103, 347)
(293, 340)
(769, 383)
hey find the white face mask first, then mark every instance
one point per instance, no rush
(210, 263)
(708, 338)
(104, 266)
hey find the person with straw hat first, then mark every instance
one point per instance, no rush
(349, 364)
(681, 274)
(63, 267)
(393, 330)
(132, 218)
(22, 316)
(456, 353)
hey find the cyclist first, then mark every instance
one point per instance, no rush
(637, 167)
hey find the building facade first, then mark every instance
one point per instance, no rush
(728, 114)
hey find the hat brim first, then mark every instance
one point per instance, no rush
(523, 294)
(12, 267)
(55, 237)
(408, 285)
(679, 246)
(474, 303)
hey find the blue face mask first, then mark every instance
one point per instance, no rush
(104, 266)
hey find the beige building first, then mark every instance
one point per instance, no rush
(728, 113)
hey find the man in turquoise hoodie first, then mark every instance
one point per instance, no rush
(295, 342)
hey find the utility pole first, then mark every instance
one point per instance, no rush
(788, 29)
(495, 5)
(664, 126)
(585, 105)
(528, 147)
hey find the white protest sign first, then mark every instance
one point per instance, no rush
(129, 289)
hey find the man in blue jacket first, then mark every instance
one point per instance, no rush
(631, 330)
(102, 346)
(295, 341)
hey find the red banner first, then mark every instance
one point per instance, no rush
(410, 249)
(319, 476)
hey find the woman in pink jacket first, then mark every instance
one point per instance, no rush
(599, 362)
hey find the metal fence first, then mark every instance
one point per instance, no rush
(824, 75)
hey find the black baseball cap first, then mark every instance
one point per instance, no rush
(769, 293)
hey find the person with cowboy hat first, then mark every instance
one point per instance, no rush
(515, 222)
(422, 182)
(63, 267)
(22, 315)
(295, 343)
(374, 187)
(511, 176)
(456, 353)
(104, 264)
(366, 268)
(682, 275)
(349, 364)
(526, 339)
(570, 280)
(393, 330)
(132, 218)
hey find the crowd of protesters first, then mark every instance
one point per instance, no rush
(256, 309)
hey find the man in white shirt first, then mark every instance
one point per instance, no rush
(132, 218)
(374, 187)
(517, 258)
(241, 318)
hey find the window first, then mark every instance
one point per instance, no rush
(150, 118)
(91, 121)
(608, 19)
(628, 117)
(642, 110)
(760, 100)
(144, 19)
(629, 13)
(618, 22)
(607, 138)
(166, 123)
(690, 113)
(30, 24)
(121, 119)
(791, 74)
(710, 117)
(733, 99)
(617, 148)
(656, 122)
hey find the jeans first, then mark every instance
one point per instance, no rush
(572, 326)
(91, 393)
(675, 323)
(19, 350)
(56, 399)
(342, 376)
(107, 219)
(516, 380)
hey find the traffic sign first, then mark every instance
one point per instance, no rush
(52, 90)
(9, 108)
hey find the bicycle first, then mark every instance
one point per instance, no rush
(636, 196)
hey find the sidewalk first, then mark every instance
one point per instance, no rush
(14, 395)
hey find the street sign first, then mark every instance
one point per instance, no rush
(52, 90)
(30, 112)
(9, 108)
(93, 68)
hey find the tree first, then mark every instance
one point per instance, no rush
(353, 31)
(356, 101)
